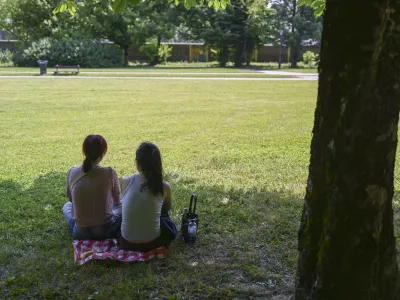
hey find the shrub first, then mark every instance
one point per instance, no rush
(69, 52)
(164, 52)
(150, 50)
(309, 58)
(6, 58)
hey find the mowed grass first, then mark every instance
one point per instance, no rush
(242, 146)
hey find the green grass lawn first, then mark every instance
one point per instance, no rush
(242, 146)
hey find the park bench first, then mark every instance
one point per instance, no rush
(67, 69)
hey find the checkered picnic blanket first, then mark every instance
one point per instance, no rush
(86, 250)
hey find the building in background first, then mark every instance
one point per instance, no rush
(7, 40)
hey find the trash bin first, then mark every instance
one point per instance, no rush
(43, 66)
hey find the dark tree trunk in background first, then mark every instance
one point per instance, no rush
(157, 58)
(240, 52)
(295, 49)
(346, 238)
(126, 56)
(223, 56)
(294, 57)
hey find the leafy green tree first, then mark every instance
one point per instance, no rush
(6, 7)
(238, 30)
(155, 20)
(135, 25)
(317, 5)
(120, 5)
(96, 19)
(298, 24)
(34, 19)
(102, 22)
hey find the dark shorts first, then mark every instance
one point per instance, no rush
(168, 234)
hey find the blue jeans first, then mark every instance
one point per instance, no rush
(106, 231)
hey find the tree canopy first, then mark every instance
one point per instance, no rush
(120, 5)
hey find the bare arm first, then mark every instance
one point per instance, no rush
(167, 196)
(68, 191)
(124, 183)
(116, 194)
(116, 191)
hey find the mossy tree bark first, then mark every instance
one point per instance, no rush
(346, 238)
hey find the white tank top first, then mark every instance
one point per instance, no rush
(141, 212)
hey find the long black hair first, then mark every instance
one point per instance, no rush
(148, 159)
(93, 147)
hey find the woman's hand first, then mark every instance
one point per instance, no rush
(167, 196)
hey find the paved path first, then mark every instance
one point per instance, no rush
(298, 78)
(286, 73)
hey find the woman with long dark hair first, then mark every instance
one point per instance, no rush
(146, 200)
(93, 191)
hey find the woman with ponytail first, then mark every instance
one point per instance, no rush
(93, 192)
(145, 204)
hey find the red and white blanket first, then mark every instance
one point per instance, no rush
(86, 250)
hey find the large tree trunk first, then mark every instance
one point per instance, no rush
(346, 238)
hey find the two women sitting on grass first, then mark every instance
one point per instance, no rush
(94, 210)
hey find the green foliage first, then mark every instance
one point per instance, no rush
(70, 6)
(233, 33)
(164, 53)
(76, 52)
(33, 20)
(317, 5)
(6, 58)
(309, 58)
(156, 19)
(6, 7)
(299, 27)
(120, 5)
(151, 51)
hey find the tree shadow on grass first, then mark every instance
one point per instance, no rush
(246, 247)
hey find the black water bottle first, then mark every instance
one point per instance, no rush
(192, 232)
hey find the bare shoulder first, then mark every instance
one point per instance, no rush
(125, 180)
(167, 186)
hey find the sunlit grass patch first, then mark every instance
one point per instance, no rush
(242, 146)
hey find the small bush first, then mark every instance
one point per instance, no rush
(6, 58)
(164, 52)
(69, 52)
(309, 58)
(150, 50)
